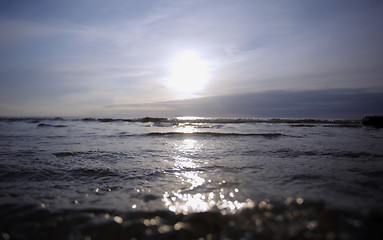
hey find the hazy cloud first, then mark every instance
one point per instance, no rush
(65, 54)
(329, 103)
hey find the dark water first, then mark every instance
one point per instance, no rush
(190, 178)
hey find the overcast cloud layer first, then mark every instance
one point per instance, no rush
(93, 57)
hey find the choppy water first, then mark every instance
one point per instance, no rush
(122, 170)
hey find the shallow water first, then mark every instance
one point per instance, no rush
(131, 168)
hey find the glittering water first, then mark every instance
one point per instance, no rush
(188, 165)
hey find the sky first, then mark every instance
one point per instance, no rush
(166, 58)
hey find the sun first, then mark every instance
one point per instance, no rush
(189, 74)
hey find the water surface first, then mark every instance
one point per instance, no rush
(120, 169)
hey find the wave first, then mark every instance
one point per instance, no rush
(309, 178)
(50, 125)
(292, 153)
(302, 122)
(17, 174)
(202, 134)
(93, 173)
(293, 122)
(30, 119)
(216, 134)
(82, 174)
(67, 154)
(143, 120)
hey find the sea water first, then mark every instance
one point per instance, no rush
(66, 178)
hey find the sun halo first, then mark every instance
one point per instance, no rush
(189, 74)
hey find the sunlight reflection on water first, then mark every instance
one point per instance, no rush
(182, 128)
(189, 198)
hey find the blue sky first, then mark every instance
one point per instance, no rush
(98, 58)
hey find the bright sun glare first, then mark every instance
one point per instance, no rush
(188, 74)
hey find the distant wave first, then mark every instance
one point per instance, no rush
(293, 122)
(144, 120)
(50, 125)
(30, 119)
(304, 122)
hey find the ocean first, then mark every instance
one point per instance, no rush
(190, 178)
